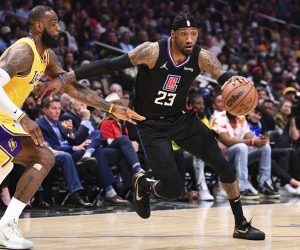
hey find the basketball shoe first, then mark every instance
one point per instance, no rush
(141, 195)
(11, 237)
(246, 231)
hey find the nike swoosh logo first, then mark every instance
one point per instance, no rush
(137, 197)
(241, 231)
(5, 237)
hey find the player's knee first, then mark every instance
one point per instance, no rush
(46, 159)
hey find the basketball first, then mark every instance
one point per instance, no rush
(239, 98)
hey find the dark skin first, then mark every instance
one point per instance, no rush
(182, 43)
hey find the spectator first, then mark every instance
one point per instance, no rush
(235, 133)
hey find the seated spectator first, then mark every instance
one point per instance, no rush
(114, 131)
(268, 115)
(58, 139)
(235, 133)
(281, 117)
(285, 161)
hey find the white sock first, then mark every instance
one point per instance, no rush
(13, 211)
(110, 192)
(88, 153)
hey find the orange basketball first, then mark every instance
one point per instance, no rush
(239, 98)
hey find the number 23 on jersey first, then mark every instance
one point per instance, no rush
(165, 97)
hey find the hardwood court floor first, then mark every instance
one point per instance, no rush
(200, 228)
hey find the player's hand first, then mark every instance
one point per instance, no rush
(237, 80)
(126, 114)
(33, 129)
(53, 86)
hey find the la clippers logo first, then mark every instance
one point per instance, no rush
(171, 83)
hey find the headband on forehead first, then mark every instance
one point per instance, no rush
(187, 21)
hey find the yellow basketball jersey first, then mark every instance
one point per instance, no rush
(19, 87)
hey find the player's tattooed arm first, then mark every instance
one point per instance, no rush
(54, 67)
(145, 54)
(73, 88)
(17, 60)
(210, 64)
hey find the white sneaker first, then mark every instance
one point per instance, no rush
(288, 190)
(204, 195)
(253, 190)
(11, 237)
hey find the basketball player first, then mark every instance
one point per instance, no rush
(166, 69)
(21, 67)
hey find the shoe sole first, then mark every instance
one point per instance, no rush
(276, 196)
(135, 180)
(237, 236)
(249, 198)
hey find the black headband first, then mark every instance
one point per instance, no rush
(185, 23)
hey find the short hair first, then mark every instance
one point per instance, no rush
(37, 13)
(48, 100)
(192, 98)
(184, 20)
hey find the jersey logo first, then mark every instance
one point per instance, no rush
(164, 66)
(189, 69)
(37, 76)
(12, 144)
(171, 83)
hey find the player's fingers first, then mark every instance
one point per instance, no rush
(39, 137)
(135, 115)
(131, 121)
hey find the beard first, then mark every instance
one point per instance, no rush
(48, 40)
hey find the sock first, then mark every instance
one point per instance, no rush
(110, 192)
(13, 211)
(88, 153)
(237, 211)
(137, 168)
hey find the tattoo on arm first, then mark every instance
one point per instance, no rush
(54, 67)
(209, 63)
(86, 95)
(17, 60)
(146, 53)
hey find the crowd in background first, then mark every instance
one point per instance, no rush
(247, 37)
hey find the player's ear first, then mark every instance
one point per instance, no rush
(38, 26)
(172, 33)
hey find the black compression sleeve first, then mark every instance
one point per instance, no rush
(224, 77)
(103, 66)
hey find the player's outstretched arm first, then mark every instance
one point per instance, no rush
(144, 54)
(78, 91)
(210, 64)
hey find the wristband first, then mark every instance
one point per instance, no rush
(62, 78)
(224, 78)
(110, 108)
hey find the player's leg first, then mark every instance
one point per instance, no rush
(204, 145)
(169, 184)
(38, 162)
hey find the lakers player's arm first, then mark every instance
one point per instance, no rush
(17, 60)
(71, 87)
(210, 64)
